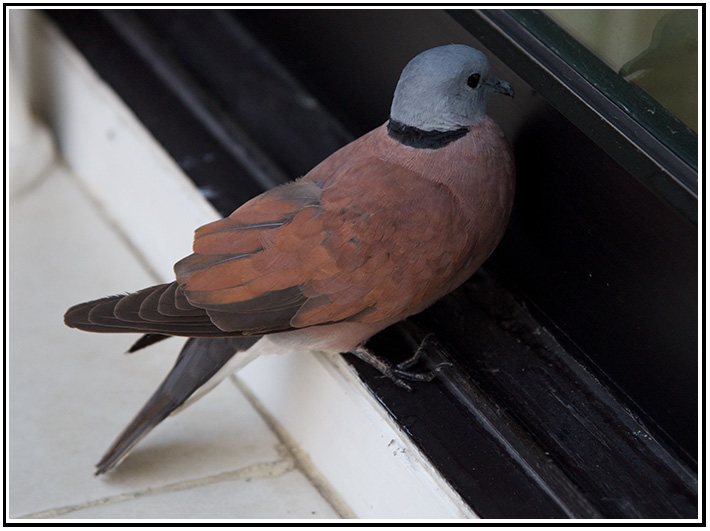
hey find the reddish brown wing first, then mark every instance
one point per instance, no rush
(364, 245)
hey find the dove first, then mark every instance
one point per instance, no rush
(376, 232)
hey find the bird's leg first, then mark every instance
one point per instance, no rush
(406, 364)
(382, 365)
(399, 373)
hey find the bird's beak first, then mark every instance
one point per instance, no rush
(501, 86)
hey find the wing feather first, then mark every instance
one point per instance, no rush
(332, 258)
(319, 250)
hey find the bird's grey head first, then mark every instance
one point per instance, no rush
(444, 89)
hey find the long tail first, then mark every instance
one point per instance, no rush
(157, 310)
(201, 365)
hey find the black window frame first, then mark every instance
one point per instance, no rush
(571, 73)
(471, 426)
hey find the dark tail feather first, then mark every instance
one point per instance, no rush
(152, 310)
(199, 360)
(146, 340)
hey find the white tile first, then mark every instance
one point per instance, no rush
(286, 496)
(70, 392)
(30, 148)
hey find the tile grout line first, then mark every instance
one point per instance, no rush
(104, 215)
(302, 461)
(266, 470)
(36, 182)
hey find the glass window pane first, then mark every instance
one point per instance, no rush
(643, 60)
(657, 49)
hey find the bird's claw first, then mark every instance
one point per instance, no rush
(399, 373)
(406, 364)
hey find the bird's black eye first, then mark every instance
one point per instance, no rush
(473, 80)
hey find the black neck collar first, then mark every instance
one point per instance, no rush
(418, 138)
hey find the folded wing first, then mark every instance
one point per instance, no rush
(310, 252)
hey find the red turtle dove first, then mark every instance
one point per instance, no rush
(376, 232)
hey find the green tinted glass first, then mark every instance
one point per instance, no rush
(645, 60)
